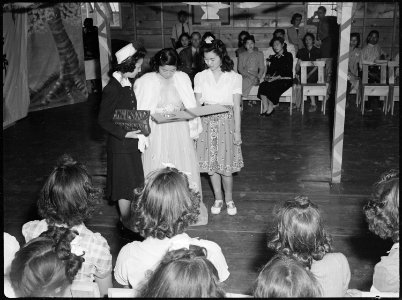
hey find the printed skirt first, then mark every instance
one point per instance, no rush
(216, 150)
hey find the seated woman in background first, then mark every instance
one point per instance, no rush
(240, 43)
(162, 211)
(354, 59)
(296, 32)
(184, 40)
(46, 266)
(184, 273)
(308, 53)
(299, 233)
(278, 78)
(284, 277)
(251, 65)
(369, 55)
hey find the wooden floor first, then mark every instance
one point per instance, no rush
(283, 155)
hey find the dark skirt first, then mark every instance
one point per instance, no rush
(273, 90)
(124, 174)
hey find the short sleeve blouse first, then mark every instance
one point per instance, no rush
(220, 92)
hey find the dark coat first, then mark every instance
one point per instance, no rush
(186, 58)
(114, 96)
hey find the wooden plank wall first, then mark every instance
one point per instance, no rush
(142, 22)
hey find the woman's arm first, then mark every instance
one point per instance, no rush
(237, 118)
(261, 65)
(104, 284)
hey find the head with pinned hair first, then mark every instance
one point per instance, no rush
(68, 196)
(382, 210)
(284, 277)
(166, 205)
(299, 231)
(184, 273)
(45, 266)
(218, 48)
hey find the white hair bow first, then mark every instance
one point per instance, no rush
(75, 246)
(209, 40)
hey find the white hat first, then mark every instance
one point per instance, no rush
(125, 52)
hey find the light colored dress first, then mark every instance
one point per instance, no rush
(333, 274)
(171, 144)
(216, 150)
(252, 68)
(137, 260)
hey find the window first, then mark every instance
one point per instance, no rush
(87, 11)
(116, 13)
(313, 6)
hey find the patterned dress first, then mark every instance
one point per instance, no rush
(216, 150)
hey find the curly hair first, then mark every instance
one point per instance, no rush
(219, 48)
(284, 277)
(280, 39)
(68, 196)
(128, 65)
(184, 273)
(166, 205)
(45, 264)
(382, 211)
(164, 57)
(299, 232)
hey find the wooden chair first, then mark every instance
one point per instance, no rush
(393, 88)
(318, 89)
(374, 89)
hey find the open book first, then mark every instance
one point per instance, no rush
(188, 114)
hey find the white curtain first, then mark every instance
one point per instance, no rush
(15, 82)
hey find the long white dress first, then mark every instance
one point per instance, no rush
(170, 143)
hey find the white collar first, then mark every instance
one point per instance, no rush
(395, 246)
(123, 81)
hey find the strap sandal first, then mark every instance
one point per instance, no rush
(216, 208)
(231, 208)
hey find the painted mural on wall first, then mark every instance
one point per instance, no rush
(56, 71)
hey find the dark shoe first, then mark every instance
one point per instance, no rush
(269, 114)
(128, 234)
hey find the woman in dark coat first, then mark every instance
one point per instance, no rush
(124, 165)
(279, 76)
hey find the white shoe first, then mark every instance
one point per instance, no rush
(231, 208)
(216, 208)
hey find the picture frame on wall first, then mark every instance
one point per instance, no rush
(197, 12)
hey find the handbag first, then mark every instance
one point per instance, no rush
(132, 120)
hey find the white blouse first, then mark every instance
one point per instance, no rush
(220, 92)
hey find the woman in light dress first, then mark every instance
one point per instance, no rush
(166, 90)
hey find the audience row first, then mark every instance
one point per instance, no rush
(60, 250)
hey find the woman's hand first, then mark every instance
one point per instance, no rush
(132, 134)
(237, 138)
(273, 78)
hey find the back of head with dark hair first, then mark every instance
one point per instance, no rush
(299, 231)
(68, 196)
(184, 273)
(322, 8)
(382, 211)
(219, 48)
(166, 205)
(45, 265)
(165, 57)
(128, 65)
(284, 277)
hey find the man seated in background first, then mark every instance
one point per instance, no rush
(179, 28)
(191, 59)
